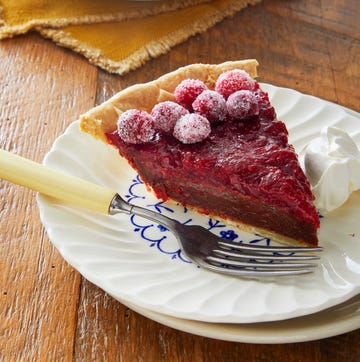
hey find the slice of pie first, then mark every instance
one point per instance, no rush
(207, 136)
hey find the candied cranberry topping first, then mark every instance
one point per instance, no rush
(234, 80)
(211, 105)
(242, 104)
(188, 90)
(166, 115)
(135, 126)
(192, 128)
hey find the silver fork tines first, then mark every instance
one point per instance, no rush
(267, 248)
(253, 260)
(222, 256)
(264, 257)
(258, 265)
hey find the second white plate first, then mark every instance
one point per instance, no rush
(139, 263)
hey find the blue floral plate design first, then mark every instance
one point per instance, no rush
(157, 235)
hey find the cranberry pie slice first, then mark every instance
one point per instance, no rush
(208, 137)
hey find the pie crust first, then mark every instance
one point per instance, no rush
(102, 119)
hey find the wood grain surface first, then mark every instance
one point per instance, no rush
(48, 312)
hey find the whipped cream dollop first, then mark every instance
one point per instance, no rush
(332, 164)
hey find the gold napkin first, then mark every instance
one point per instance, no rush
(116, 35)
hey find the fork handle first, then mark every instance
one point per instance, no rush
(61, 186)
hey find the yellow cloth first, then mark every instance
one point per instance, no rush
(116, 35)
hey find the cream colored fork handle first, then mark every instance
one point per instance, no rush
(59, 185)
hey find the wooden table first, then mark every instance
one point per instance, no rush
(48, 311)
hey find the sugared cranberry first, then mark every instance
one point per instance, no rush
(242, 104)
(192, 128)
(211, 105)
(135, 126)
(232, 81)
(166, 114)
(188, 90)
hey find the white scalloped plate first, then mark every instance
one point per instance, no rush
(331, 322)
(140, 264)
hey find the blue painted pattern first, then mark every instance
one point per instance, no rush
(161, 239)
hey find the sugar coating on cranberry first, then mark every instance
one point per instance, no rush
(211, 105)
(136, 126)
(188, 90)
(242, 104)
(234, 80)
(192, 128)
(166, 114)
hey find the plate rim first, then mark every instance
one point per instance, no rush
(140, 305)
(293, 330)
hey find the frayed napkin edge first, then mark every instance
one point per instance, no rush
(151, 50)
(9, 31)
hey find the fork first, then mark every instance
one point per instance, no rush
(201, 246)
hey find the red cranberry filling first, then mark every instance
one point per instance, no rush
(251, 157)
(245, 154)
